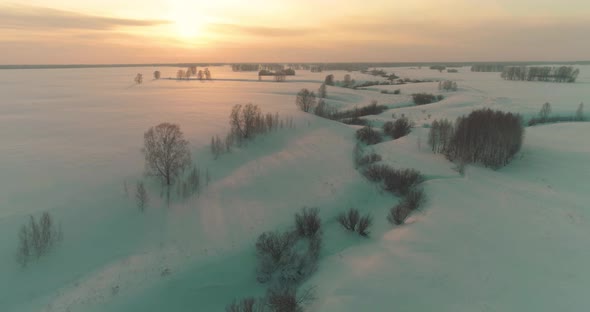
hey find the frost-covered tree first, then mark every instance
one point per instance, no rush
(306, 100)
(166, 152)
(322, 93)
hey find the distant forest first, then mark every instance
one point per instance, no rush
(541, 73)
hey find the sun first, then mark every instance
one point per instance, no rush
(187, 26)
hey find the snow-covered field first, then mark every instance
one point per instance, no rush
(515, 239)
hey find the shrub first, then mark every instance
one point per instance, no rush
(423, 98)
(397, 91)
(447, 85)
(308, 223)
(414, 199)
(400, 182)
(376, 173)
(401, 127)
(364, 224)
(352, 221)
(368, 159)
(398, 214)
(305, 100)
(368, 136)
(287, 299)
(488, 137)
(580, 112)
(249, 304)
(37, 238)
(349, 219)
(355, 121)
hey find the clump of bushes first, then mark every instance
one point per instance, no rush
(397, 91)
(352, 221)
(401, 127)
(287, 258)
(447, 85)
(412, 201)
(488, 137)
(371, 109)
(308, 223)
(36, 238)
(426, 98)
(361, 160)
(396, 181)
(368, 136)
(357, 121)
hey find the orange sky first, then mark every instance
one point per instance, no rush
(149, 31)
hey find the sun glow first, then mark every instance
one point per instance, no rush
(188, 22)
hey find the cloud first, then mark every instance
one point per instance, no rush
(39, 18)
(259, 31)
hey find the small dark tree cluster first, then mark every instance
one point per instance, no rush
(368, 136)
(440, 68)
(542, 73)
(395, 181)
(352, 221)
(306, 100)
(157, 74)
(248, 121)
(426, 98)
(447, 85)
(37, 238)
(485, 136)
(324, 110)
(401, 127)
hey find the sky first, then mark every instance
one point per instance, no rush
(175, 31)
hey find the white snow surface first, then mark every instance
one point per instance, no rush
(515, 239)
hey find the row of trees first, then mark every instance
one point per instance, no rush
(488, 137)
(541, 73)
(487, 68)
(545, 116)
(192, 72)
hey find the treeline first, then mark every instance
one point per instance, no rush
(496, 68)
(244, 67)
(541, 73)
(488, 137)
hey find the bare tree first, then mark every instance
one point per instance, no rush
(141, 197)
(545, 111)
(36, 238)
(306, 100)
(166, 152)
(180, 74)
